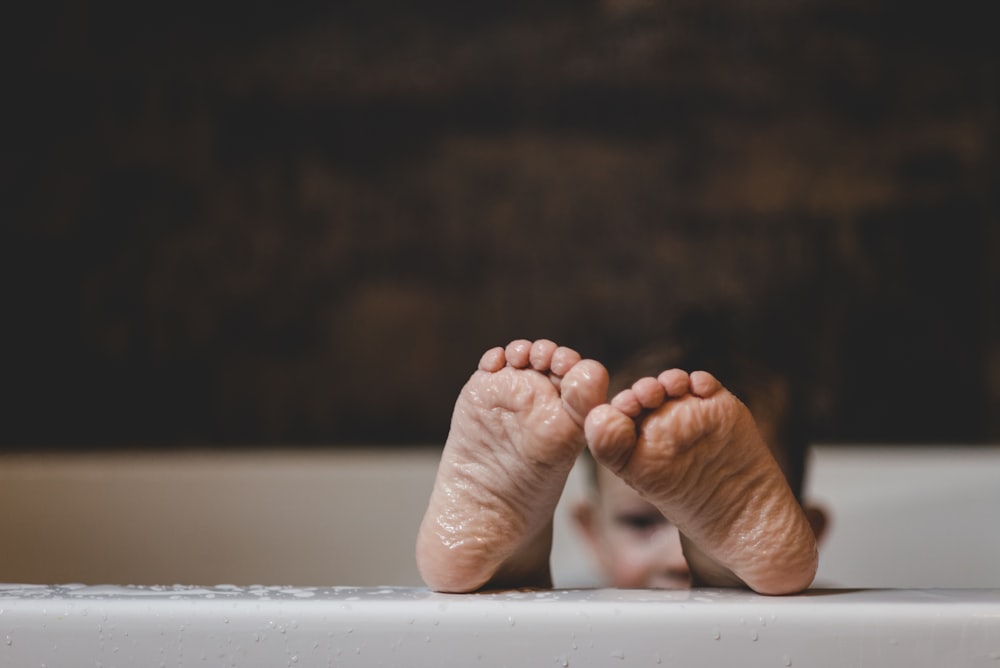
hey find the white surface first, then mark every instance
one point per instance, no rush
(909, 517)
(112, 626)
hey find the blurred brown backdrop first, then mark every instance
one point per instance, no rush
(249, 223)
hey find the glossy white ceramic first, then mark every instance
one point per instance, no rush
(71, 626)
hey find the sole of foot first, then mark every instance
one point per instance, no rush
(693, 450)
(516, 431)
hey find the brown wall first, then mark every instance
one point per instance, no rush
(263, 224)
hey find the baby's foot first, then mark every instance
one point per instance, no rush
(692, 449)
(516, 431)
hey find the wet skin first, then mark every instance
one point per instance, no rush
(686, 445)
(516, 431)
(693, 451)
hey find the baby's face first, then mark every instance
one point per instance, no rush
(634, 543)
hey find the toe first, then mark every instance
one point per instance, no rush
(626, 402)
(649, 392)
(492, 360)
(564, 359)
(584, 387)
(611, 436)
(704, 384)
(518, 353)
(540, 355)
(675, 382)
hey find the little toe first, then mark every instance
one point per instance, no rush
(493, 359)
(611, 436)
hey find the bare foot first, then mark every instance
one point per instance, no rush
(693, 450)
(516, 431)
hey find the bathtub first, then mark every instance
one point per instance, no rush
(911, 570)
(297, 627)
(910, 517)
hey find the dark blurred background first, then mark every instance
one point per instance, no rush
(235, 224)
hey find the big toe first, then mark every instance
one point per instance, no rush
(611, 436)
(583, 387)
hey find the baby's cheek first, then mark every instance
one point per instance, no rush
(630, 568)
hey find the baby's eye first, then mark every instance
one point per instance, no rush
(640, 521)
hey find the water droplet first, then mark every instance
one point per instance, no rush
(9, 640)
(754, 636)
(511, 620)
(716, 633)
(295, 658)
(562, 660)
(788, 660)
(618, 654)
